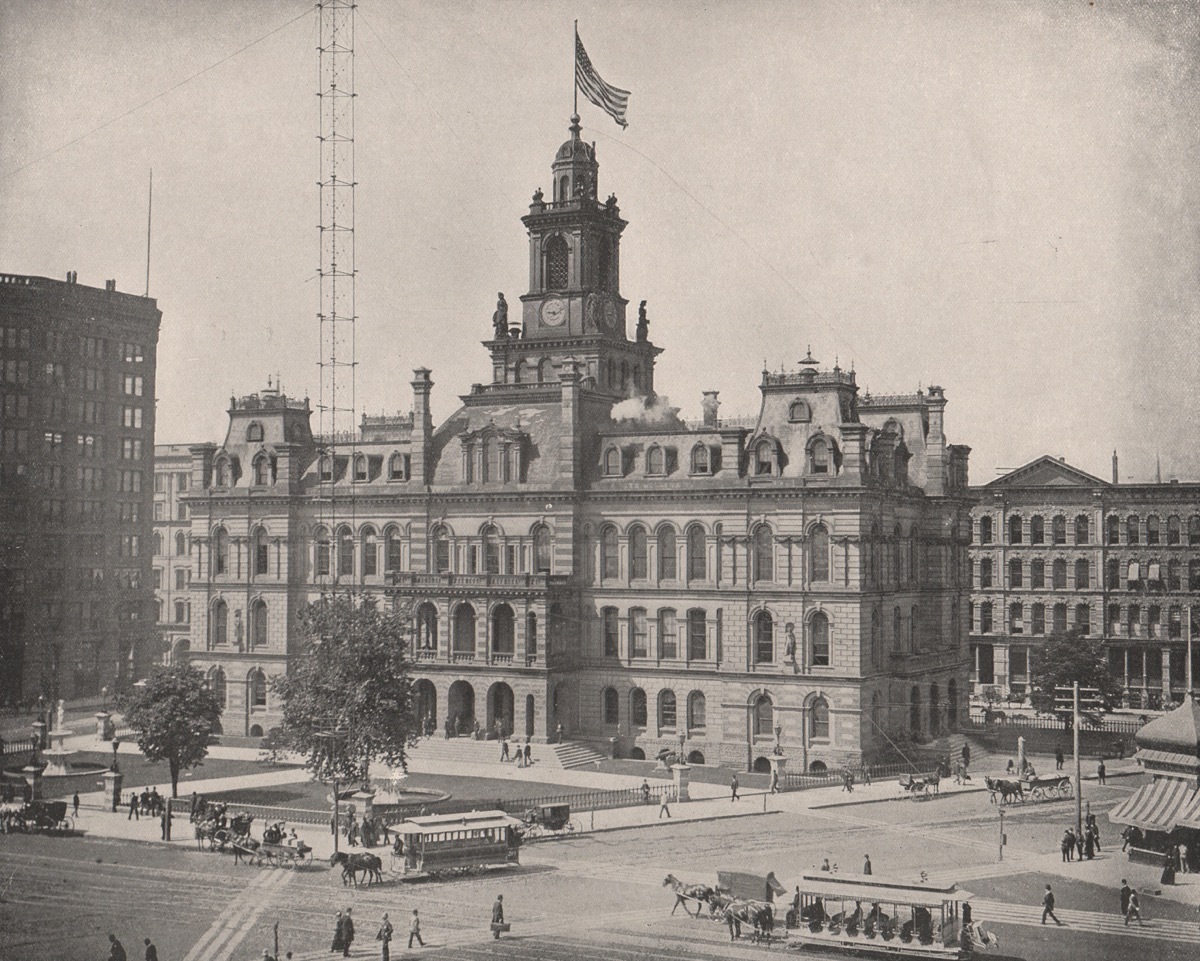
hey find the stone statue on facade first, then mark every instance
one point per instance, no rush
(500, 318)
(643, 324)
(237, 628)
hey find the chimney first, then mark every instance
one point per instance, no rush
(71, 275)
(110, 286)
(937, 468)
(1115, 474)
(854, 442)
(422, 434)
(709, 405)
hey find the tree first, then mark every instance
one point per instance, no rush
(353, 677)
(174, 717)
(1074, 656)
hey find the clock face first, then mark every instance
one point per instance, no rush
(610, 314)
(554, 311)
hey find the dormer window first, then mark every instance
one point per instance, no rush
(612, 462)
(799, 412)
(819, 457)
(222, 473)
(398, 467)
(360, 468)
(656, 461)
(701, 461)
(764, 458)
(254, 433)
(326, 468)
(262, 470)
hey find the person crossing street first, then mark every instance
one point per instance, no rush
(1048, 907)
(414, 929)
(384, 937)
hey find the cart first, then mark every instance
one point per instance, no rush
(1048, 787)
(549, 819)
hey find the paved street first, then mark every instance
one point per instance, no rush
(597, 896)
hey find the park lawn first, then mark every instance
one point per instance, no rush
(313, 795)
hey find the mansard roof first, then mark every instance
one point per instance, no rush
(1046, 471)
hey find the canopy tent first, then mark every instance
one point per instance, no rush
(1156, 806)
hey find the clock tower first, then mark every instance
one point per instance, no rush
(574, 308)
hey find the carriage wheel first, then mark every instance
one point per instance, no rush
(573, 826)
(67, 825)
(1066, 789)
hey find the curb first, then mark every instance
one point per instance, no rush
(663, 823)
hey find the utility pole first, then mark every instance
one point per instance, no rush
(1078, 778)
(1003, 838)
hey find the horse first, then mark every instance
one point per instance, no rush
(246, 848)
(205, 831)
(370, 865)
(759, 914)
(700, 893)
(1008, 790)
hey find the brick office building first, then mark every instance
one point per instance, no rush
(573, 553)
(172, 550)
(77, 370)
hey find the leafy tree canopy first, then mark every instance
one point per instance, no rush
(174, 718)
(1066, 658)
(353, 678)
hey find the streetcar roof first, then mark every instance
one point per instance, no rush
(870, 887)
(470, 821)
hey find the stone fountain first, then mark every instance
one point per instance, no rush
(56, 754)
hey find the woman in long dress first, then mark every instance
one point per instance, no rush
(338, 935)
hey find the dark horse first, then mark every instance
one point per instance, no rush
(370, 866)
(1008, 790)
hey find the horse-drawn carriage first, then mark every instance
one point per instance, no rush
(1037, 787)
(738, 899)
(548, 819)
(919, 786)
(448, 844)
(49, 817)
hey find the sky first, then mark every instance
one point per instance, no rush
(1001, 197)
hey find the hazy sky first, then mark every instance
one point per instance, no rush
(998, 197)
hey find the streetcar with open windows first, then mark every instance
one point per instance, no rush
(447, 844)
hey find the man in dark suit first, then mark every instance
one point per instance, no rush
(497, 916)
(1126, 890)
(151, 951)
(116, 950)
(347, 933)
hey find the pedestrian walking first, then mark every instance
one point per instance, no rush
(1100, 772)
(825, 865)
(645, 791)
(414, 929)
(347, 933)
(165, 823)
(1126, 890)
(1048, 906)
(966, 755)
(1067, 845)
(339, 934)
(116, 950)
(133, 808)
(1126, 837)
(498, 916)
(847, 782)
(663, 799)
(504, 751)
(384, 937)
(733, 788)
(151, 950)
(1135, 909)
(1058, 759)
(528, 753)
(866, 776)
(75, 804)
(1183, 858)
(775, 782)
(866, 864)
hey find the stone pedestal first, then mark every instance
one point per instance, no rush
(681, 773)
(1021, 756)
(39, 734)
(56, 755)
(33, 777)
(102, 731)
(778, 764)
(112, 789)
(364, 802)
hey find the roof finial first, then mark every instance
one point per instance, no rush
(809, 360)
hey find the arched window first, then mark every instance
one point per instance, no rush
(223, 472)
(427, 627)
(818, 719)
(326, 467)
(668, 634)
(262, 470)
(935, 707)
(321, 556)
(638, 553)
(667, 559)
(637, 707)
(261, 551)
(639, 638)
(1037, 624)
(764, 554)
(799, 412)
(820, 459)
(218, 627)
(1083, 575)
(1194, 529)
(914, 712)
(612, 462)
(393, 553)
(1173, 529)
(464, 629)
(491, 550)
(360, 468)
(396, 469)
(503, 630)
(656, 460)
(914, 621)
(220, 559)
(541, 549)
(818, 551)
(1037, 574)
(1016, 529)
(1037, 529)
(180, 545)
(764, 458)
(257, 683)
(818, 627)
(610, 562)
(696, 549)
(764, 716)
(1082, 531)
(345, 552)
(666, 710)
(985, 529)
(764, 638)
(697, 711)
(1059, 529)
(158, 542)
(1060, 619)
(1083, 619)
(700, 459)
(1113, 525)
(531, 633)
(557, 256)
(370, 552)
(254, 433)
(216, 684)
(258, 624)
(1133, 530)
(441, 550)
(610, 632)
(611, 704)
(697, 628)
(1015, 572)
(1059, 575)
(1016, 617)
(1153, 529)
(875, 629)
(985, 617)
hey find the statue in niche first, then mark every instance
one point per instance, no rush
(500, 318)
(237, 629)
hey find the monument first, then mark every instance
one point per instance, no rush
(56, 754)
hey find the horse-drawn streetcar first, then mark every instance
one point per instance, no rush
(442, 844)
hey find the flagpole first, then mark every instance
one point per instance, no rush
(574, 58)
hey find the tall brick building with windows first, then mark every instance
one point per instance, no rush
(1057, 549)
(77, 371)
(573, 553)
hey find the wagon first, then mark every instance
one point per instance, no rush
(47, 816)
(1048, 787)
(285, 855)
(549, 819)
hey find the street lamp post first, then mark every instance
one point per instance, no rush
(334, 739)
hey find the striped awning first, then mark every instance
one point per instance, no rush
(1156, 806)
(1189, 814)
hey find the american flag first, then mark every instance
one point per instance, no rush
(612, 100)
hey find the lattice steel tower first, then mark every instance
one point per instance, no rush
(337, 402)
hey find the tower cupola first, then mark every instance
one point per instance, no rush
(575, 169)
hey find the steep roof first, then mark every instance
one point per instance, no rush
(1177, 731)
(1047, 471)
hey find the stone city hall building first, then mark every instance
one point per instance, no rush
(573, 553)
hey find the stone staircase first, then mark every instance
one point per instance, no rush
(573, 754)
(466, 750)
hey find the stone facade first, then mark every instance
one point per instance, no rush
(172, 549)
(77, 379)
(572, 553)
(1054, 548)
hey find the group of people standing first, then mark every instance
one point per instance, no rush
(368, 832)
(1085, 844)
(523, 755)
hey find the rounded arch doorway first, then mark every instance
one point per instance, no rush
(425, 699)
(462, 707)
(500, 707)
